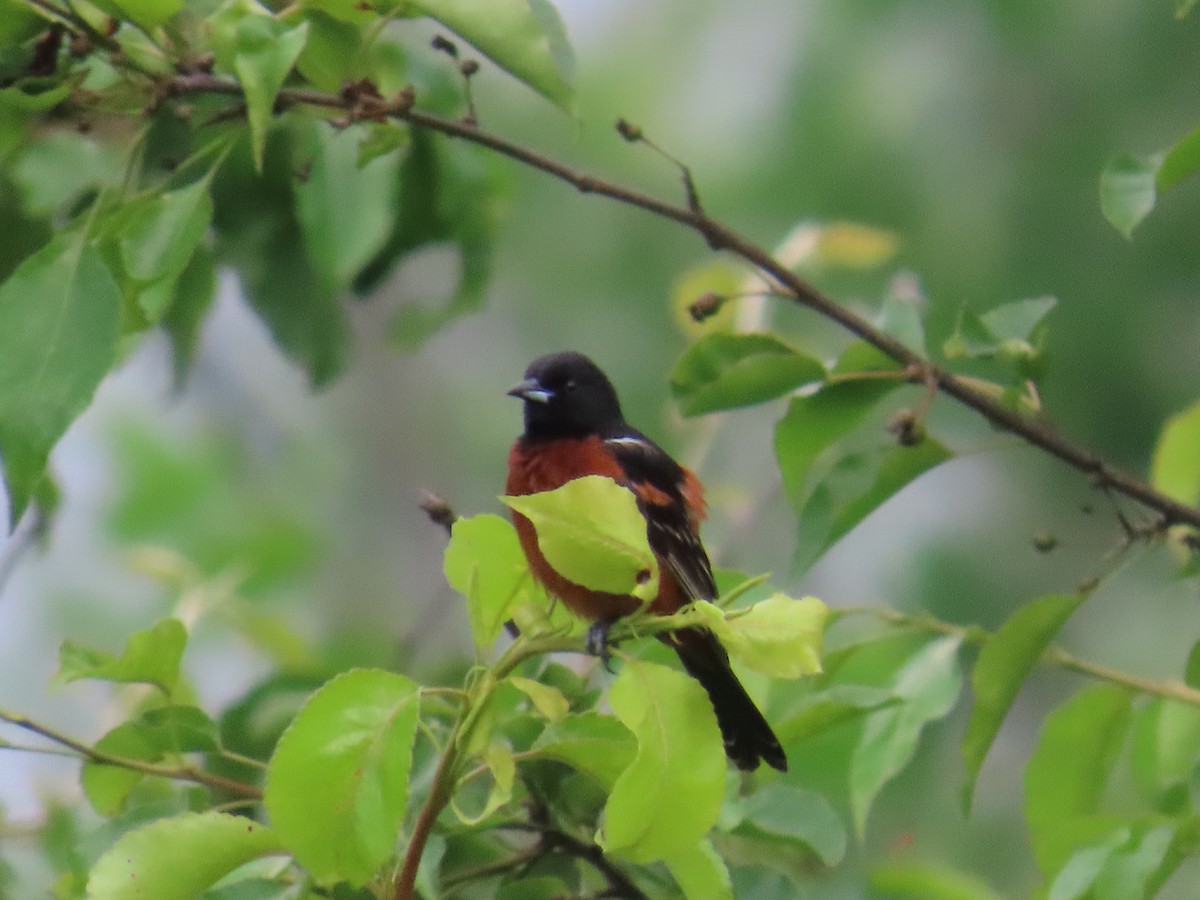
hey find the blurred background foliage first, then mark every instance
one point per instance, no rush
(974, 134)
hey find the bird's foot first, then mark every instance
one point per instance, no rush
(597, 642)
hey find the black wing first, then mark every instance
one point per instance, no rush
(669, 527)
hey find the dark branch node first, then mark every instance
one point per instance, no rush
(439, 510)
(907, 426)
(45, 51)
(443, 44)
(629, 131)
(706, 306)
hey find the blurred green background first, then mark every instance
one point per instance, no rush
(975, 132)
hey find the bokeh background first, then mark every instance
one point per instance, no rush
(974, 132)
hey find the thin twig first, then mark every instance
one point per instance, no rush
(175, 773)
(1052, 656)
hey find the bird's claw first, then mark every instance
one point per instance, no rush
(597, 642)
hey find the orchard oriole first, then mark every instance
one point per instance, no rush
(574, 427)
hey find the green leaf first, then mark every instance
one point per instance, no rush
(700, 873)
(35, 95)
(1181, 161)
(1166, 745)
(589, 742)
(794, 814)
(178, 858)
(107, 787)
(669, 796)
(1127, 191)
(902, 318)
(829, 708)
(258, 233)
(591, 532)
(498, 758)
(18, 22)
(265, 51)
(180, 729)
(928, 686)
(59, 323)
(345, 210)
(1076, 878)
(160, 241)
(1012, 332)
(525, 37)
(195, 290)
(450, 197)
(152, 656)
(337, 784)
(724, 371)
(780, 636)
(148, 13)
(354, 11)
(855, 487)
(816, 422)
(382, 139)
(485, 564)
(1175, 466)
(335, 52)
(1129, 185)
(1129, 862)
(60, 166)
(453, 196)
(1067, 773)
(547, 700)
(1138, 868)
(1002, 666)
(1191, 669)
(159, 732)
(527, 887)
(915, 880)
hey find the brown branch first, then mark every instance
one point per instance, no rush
(721, 237)
(175, 773)
(554, 838)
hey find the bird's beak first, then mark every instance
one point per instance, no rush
(531, 389)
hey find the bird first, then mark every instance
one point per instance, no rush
(574, 427)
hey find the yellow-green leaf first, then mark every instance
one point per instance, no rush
(669, 796)
(337, 784)
(526, 37)
(549, 701)
(151, 656)
(780, 636)
(485, 564)
(1175, 468)
(590, 531)
(178, 858)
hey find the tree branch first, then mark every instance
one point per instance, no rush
(721, 237)
(176, 773)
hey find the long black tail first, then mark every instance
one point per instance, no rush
(748, 737)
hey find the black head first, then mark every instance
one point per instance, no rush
(566, 395)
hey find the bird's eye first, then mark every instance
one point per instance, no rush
(571, 384)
